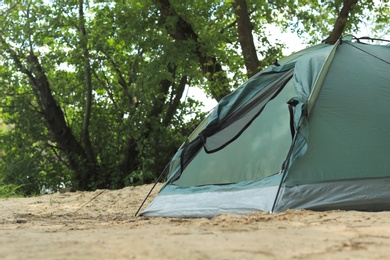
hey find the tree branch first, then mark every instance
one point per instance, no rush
(245, 37)
(176, 101)
(341, 21)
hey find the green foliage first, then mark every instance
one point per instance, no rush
(139, 114)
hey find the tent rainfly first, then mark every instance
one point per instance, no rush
(312, 132)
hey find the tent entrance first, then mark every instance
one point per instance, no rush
(258, 153)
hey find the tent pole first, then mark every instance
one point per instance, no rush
(321, 77)
(284, 169)
(150, 192)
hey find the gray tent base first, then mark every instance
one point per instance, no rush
(362, 195)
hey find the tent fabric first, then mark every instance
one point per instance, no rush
(210, 200)
(261, 150)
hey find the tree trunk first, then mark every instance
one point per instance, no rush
(183, 31)
(175, 101)
(159, 102)
(57, 126)
(341, 21)
(54, 117)
(245, 37)
(88, 88)
(130, 161)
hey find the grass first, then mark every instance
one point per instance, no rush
(9, 191)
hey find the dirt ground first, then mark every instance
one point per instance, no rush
(101, 225)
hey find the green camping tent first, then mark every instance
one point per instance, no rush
(311, 132)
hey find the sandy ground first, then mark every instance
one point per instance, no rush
(101, 225)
